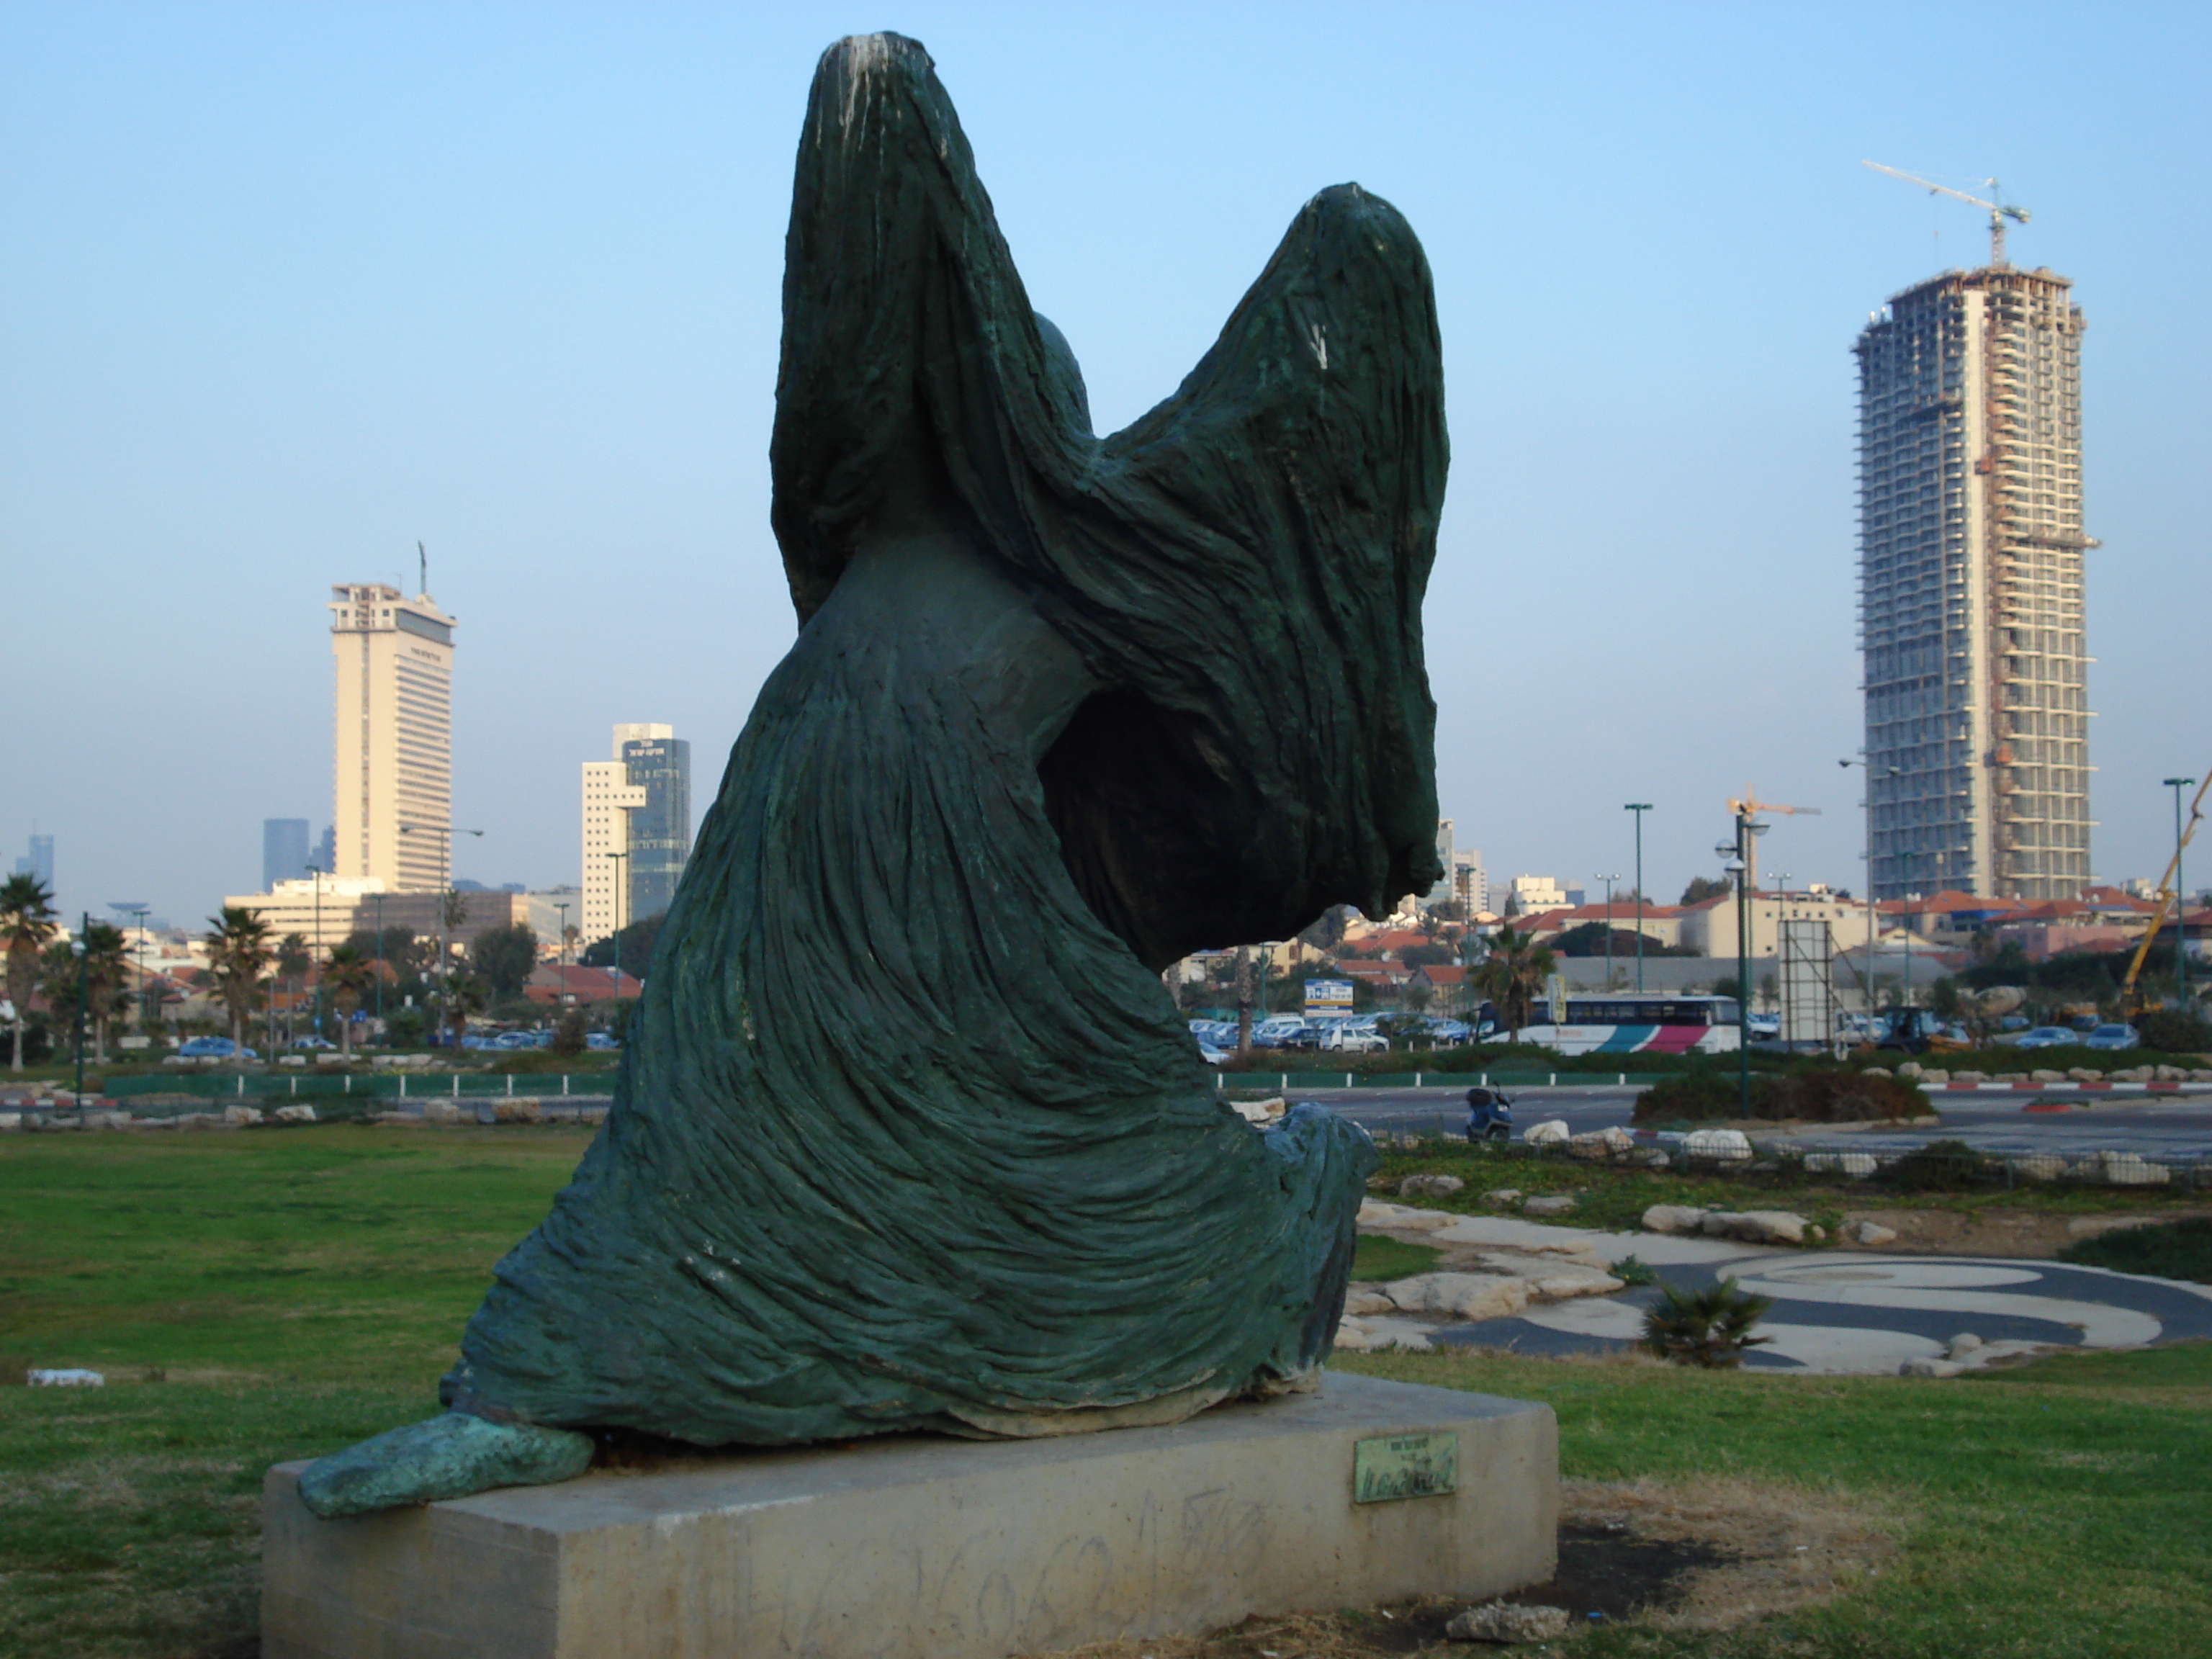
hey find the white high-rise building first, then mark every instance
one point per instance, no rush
(394, 800)
(1971, 552)
(609, 799)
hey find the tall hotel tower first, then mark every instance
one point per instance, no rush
(1970, 587)
(393, 814)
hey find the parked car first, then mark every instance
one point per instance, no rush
(2042, 1036)
(214, 1047)
(1212, 1056)
(600, 1042)
(312, 1043)
(1353, 1040)
(2112, 1036)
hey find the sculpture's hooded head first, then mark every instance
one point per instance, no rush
(1242, 567)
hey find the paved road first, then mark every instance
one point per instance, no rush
(2178, 1124)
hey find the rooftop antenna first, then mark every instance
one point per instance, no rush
(1998, 211)
(424, 558)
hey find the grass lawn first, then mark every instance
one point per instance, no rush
(298, 1289)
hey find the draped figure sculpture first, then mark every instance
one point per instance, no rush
(907, 1133)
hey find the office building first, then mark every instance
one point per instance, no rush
(283, 851)
(636, 828)
(392, 820)
(1971, 554)
(40, 866)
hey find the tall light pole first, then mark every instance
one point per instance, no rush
(1608, 881)
(139, 912)
(1735, 865)
(380, 966)
(1865, 983)
(619, 884)
(446, 966)
(1639, 807)
(318, 871)
(2180, 899)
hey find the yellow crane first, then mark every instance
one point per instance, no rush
(1749, 807)
(2131, 998)
(1999, 212)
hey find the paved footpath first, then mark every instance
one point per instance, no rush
(1861, 1312)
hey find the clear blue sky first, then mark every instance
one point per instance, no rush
(284, 287)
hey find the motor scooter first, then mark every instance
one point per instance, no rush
(1489, 1115)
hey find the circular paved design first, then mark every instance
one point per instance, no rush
(1857, 1313)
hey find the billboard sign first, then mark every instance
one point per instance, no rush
(1329, 996)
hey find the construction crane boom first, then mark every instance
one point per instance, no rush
(2167, 894)
(1998, 211)
(1748, 808)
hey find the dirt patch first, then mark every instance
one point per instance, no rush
(1700, 1555)
(2030, 1234)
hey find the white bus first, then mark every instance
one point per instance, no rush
(1623, 1022)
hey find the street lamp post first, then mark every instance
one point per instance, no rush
(84, 990)
(379, 970)
(562, 945)
(1639, 807)
(446, 964)
(1734, 866)
(619, 884)
(317, 964)
(1865, 983)
(140, 914)
(1608, 881)
(2180, 899)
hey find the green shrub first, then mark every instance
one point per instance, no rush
(1941, 1166)
(2173, 1032)
(1709, 1329)
(2171, 1249)
(1826, 1094)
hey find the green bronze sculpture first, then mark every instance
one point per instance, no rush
(909, 1134)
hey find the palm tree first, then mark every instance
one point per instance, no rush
(27, 922)
(1512, 974)
(238, 954)
(294, 958)
(349, 973)
(106, 978)
(464, 996)
(57, 984)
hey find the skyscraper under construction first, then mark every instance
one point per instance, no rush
(1971, 552)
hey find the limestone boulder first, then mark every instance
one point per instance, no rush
(1969, 1078)
(1555, 1204)
(1924, 1365)
(2132, 1169)
(1361, 1299)
(2039, 1166)
(2044, 1075)
(1869, 1232)
(301, 1114)
(1933, 1078)
(1717, 1146)
(1502, 1195)
(1911, 1071)
(1466, 1296)
(1756, 1226)
(517, 1111)
(1602, 1145)
(2084, 1074)
(447, 1111)
(1430, 1186)
(1553, 1132)
(1673, 1218)
(240, 1117)
(1365, 1335)
(1857, 1165)
(1503, 1623)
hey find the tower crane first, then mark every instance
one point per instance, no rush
(1998, 211)
(2132, 1000)
(1748, 808)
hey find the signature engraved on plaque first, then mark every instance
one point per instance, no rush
(1404, 1466)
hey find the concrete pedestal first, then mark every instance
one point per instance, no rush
(920, 1547)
